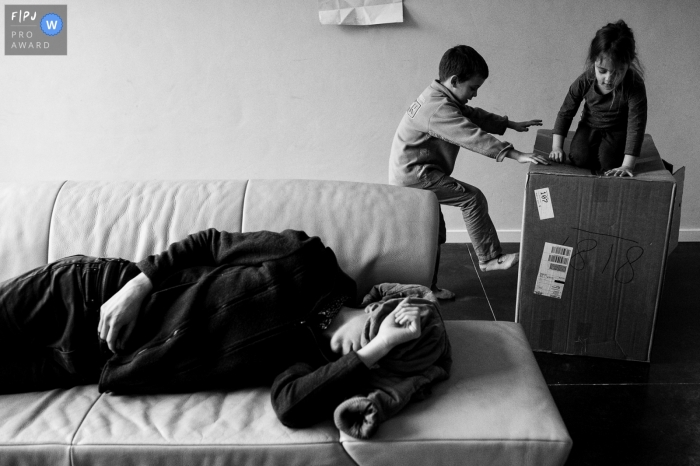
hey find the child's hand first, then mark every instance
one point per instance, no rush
(530, 157)
(621, 171)
(557, 155)
(521, 126)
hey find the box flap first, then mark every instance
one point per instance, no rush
(679, 175)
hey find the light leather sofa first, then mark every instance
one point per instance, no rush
(494, 410)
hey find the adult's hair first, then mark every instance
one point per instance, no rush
(464, 62)
(615, 41)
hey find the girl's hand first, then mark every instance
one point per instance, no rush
(521, 126)
(119, 313)
(557, 155)
(620, 171)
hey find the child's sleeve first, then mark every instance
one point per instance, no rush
(489, 122)
(570, 106)
(636, 119)
(451, 125)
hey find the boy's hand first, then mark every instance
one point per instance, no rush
(530, 157)
(521, 126)
(557, 155)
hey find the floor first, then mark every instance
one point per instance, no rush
(617, 412)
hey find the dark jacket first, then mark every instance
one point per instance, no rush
(229, 310)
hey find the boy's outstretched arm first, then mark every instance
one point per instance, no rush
(523, 157)
(521, 126)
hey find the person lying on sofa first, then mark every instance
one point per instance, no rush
(222, 310)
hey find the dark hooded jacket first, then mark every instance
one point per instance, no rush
(229, 310)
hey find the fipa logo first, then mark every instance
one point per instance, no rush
(36, 29)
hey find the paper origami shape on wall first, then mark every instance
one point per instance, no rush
(360, 12)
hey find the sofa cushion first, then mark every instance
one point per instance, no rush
(379, 233)
(132, 219)
(39, 428)
(200, 428)
(25, 215)
(495, 409)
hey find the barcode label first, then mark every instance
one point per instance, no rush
(558, 259)
(553, 268)
(561, 251)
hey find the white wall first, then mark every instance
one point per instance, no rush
(259, 89)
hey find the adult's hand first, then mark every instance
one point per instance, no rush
(119, 313)
(403, 323)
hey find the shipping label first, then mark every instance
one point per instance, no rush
(544, 203)
(553, 267)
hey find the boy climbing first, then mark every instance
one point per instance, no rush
(428, 139)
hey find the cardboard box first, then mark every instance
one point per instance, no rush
(593, 255)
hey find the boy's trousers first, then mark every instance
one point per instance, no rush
(475, 212)
(48, 322)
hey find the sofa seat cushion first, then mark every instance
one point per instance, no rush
(200, 428)
(39, 428)
(496, 408)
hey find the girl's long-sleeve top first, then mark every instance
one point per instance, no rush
(624, 109)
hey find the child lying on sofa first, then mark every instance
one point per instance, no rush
(224, 310)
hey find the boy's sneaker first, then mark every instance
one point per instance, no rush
(441, 293)
(502, 262)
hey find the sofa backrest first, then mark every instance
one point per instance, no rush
(380, 233)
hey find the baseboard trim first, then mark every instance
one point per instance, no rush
(686, 235)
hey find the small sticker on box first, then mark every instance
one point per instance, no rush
(553, 267)
(544, 203)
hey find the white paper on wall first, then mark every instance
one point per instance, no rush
(360, 12)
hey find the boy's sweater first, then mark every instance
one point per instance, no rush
(434, 128)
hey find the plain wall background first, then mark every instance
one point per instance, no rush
(259, 89)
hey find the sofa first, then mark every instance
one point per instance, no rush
(495, 409)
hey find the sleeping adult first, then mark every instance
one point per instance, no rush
(222, 310)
